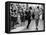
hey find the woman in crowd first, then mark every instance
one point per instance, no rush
(28, 16)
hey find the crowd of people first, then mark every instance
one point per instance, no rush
(19, 15)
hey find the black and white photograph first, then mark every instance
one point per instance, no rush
(24, 17)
